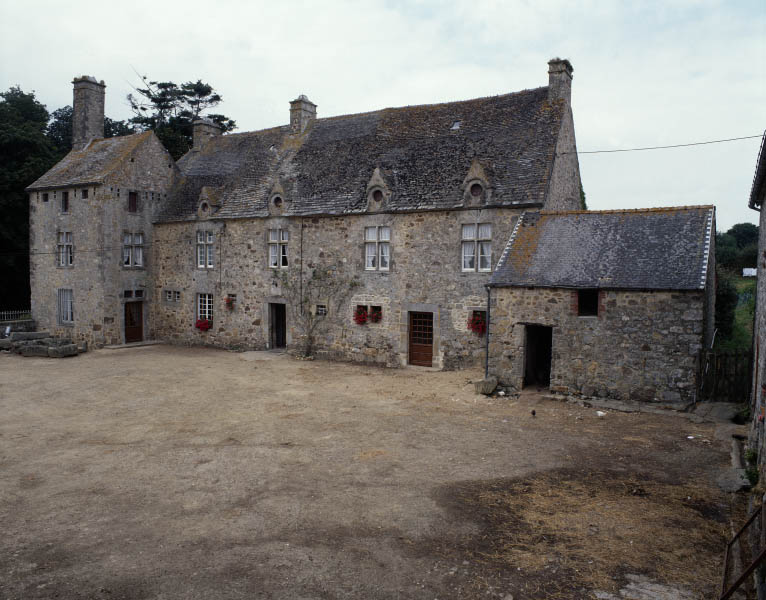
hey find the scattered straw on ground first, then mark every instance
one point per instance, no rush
(569, 531)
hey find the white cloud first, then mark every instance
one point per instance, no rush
(645, 73)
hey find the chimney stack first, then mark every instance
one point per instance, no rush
(302, 112)
(203, 129)
(88, 111)
(560, 79)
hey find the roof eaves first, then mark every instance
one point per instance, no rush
(759, 179)
(706, 252)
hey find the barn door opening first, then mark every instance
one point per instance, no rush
(134, 322)
(537, 356)
(421, 338)
(277, 325)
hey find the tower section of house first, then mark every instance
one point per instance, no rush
(413, 204)
(605, 303)
(91, 229)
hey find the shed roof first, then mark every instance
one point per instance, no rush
(423, 153)
(91, 164)
(656, 248)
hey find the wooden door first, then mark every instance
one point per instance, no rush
(421, 338)
(134, 322)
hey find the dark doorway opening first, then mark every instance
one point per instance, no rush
(277, 325)
(421, 338)
(537, 357)
(134, 322)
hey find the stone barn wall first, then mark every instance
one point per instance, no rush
(643, 345)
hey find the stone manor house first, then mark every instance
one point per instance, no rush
(416, 204)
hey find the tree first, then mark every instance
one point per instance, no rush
(326, 286)
(583, 203)
(744, 233)
(170, 110)
(25, 154)
(60, 129)
(737, 248)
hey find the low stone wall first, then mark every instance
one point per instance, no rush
(642, 345)
(19, 325)
(41, 343)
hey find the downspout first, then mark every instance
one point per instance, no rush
(486, 341)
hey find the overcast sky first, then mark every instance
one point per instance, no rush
(645, 73)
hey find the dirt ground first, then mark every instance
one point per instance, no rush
(190, 473)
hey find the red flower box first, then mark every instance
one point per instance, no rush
(360, 315)
(477, 324)
(203, 324)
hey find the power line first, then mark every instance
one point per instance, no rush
(747, 137)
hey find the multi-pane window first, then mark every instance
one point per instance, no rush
(65, 249)
(205, 250)
(278, 239)
(64, 202)
(133, 250)
(377, 248)
(205, 307)
(65, 304)
(477, 247)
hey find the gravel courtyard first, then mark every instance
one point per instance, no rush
(190, 473)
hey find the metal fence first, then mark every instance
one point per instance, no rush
(15, 315)
(749, 543)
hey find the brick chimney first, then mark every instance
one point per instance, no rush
(88, 111)
(203, 129)
(560, 79)
(302, 112)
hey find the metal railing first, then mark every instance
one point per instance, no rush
(755, 542)
(15, 315)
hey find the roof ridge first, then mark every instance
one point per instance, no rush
(393, 108)
(627, 210)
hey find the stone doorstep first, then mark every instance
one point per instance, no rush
(132, 345)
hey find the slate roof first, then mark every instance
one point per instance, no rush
(422, 158)
(657, 248)
(91, 164)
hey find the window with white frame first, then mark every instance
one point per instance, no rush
(133, 250)
(377, 248)
(65, 304)
(205, 240)
(205, 307)
(477, 247)
(278, 239)
(65, 249)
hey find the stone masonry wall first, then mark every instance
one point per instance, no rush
(425, 275)
(641, 346)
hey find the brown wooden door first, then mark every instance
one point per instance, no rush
(421, 338)
(134, 322)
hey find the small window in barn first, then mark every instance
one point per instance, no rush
(127, 294)
(176, 296)
(168, 295)
(65, 202)
(139, 293)
(84, 193)
(45, 196)
(132, 201)
(587, 303)
(321, 310)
